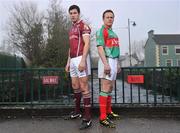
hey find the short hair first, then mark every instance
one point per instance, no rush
(74, 7)
(106, 12)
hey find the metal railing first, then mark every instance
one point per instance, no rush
(161, 86)
(25, 86)
(20, 86)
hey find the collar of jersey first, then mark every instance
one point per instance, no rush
(77, 22)
(107, 28)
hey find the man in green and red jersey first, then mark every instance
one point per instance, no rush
(78, 64)
(108, 67)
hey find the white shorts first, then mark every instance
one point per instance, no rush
(113, 65)
(74, 63)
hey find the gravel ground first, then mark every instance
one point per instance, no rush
(59, 125)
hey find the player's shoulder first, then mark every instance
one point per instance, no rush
(100, 31)
(84, 25)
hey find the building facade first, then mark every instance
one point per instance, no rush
(162, 50)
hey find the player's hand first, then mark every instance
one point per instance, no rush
(118, 68)
(82, 66)
(67, 67)
(107, 69)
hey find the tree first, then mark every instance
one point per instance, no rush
(34, 39)
(56, 52)
(25, 31)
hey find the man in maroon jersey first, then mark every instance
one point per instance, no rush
(78, 64)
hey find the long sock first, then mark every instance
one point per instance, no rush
(87, 106)
(109, 108)
(103, 104)
(77, 98)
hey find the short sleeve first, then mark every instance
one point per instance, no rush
(99, 38)
(86, 30)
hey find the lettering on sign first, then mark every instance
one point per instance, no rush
(136, 79)
(50, 80)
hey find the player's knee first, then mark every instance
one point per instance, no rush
(85, 92)
(110, 91)
(75, 86)
(83, 85)
(111, 87)
(108, 87)
(85, 89)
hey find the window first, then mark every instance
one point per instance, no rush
(178, 62)
(165, 50)
(168, 62)
(177, 50)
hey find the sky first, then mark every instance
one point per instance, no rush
(162, 16)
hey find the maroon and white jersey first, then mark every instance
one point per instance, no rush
(76, 33)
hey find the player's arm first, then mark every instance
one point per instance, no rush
(118, 64)
(68, 62)
(86, 39)
(102, 55)
(118, 67)
(100, 46)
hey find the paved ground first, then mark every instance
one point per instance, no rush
(58, 125)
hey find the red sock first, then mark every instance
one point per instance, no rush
(87, 108)
(109, 109)
(77, 98)
(103, 105)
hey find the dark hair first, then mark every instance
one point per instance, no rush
(106, 12)
(74, 7)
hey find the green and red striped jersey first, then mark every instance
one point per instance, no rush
(109, 40)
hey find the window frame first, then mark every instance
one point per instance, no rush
(167, 62)
(167, 50)
(178, 60)
(177, 47)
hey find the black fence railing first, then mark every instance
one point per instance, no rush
(134, 86)
(159, 85)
